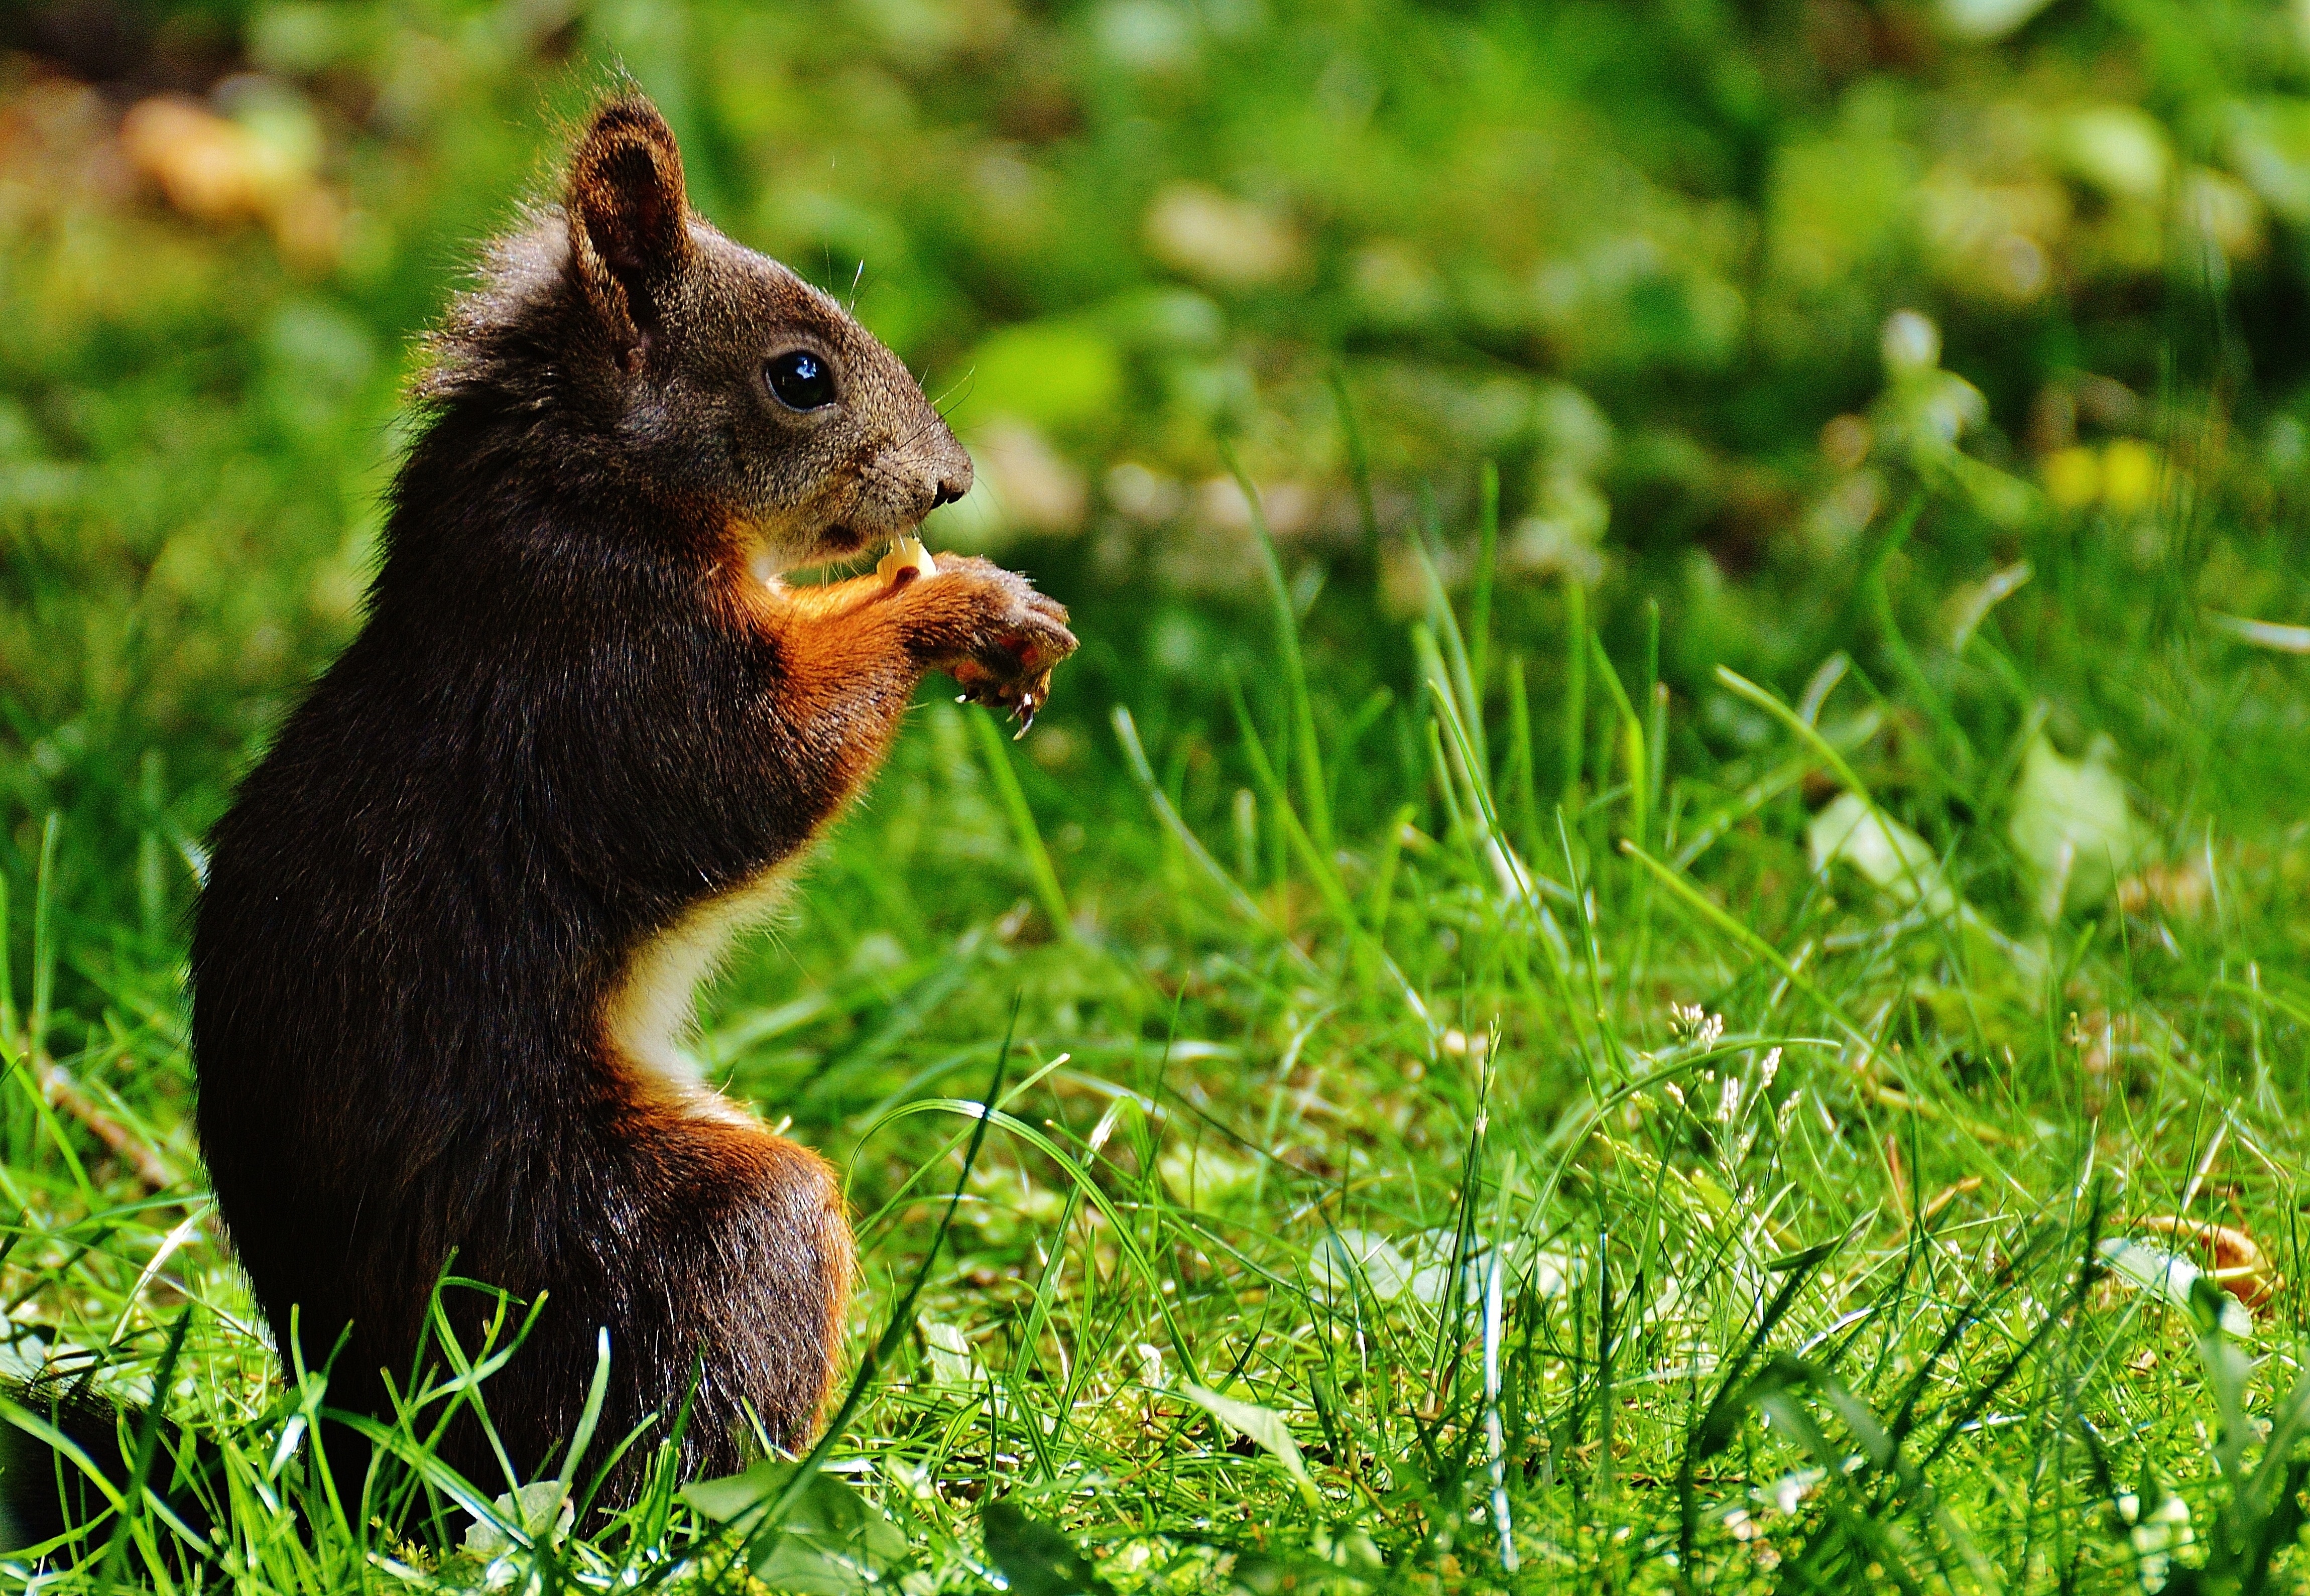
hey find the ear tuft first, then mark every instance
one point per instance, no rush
(629, 217)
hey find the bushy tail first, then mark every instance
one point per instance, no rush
(80, 1473)
(45, 1488)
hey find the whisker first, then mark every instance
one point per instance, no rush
(917, 433)
(962, 382)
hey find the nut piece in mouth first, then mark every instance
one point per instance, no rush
(906, 560)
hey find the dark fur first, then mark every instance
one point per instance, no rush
(575, 716)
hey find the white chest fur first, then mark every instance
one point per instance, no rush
(652, 1007)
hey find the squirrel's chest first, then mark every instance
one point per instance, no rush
(653, 1001)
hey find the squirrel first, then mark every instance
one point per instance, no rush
(455, 918)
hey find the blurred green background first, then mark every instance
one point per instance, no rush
(1717, 287)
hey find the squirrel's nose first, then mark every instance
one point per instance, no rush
(952, 484)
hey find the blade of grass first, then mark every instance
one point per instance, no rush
(1632, 744)
(148, 1444)
(1300, 707)
(44, 950)
(1488, 561)
(1358, 464)
(1521, 768)
(1134, 1254)
(1575, 691)
(590, 1417)
(1810, 736)
(1913, 676)
(8, 1027)
(1320, 869)
(1135, 757)
(1312, 859)
(1378, 900)
(1455, 678)
(1045, 880)
(1655, 711)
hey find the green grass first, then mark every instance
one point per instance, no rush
(1490, 1180)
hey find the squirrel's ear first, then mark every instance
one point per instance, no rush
(628, 219)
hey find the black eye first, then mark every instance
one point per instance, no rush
(800, 380)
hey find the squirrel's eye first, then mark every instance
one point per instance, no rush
(800, 380)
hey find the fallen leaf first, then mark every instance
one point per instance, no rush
(219, 170)
(1200, 1177)
(542, 1511)
(2240, 1266)
(1987, 19)
(1263, 1426)
(2120, 148)
(1885, 852)
(833, 1541)
(2168, 1275)
(1343, 1257)
(1969, 606)
(2073, 828)
(1037, 1559)
(953, 1360)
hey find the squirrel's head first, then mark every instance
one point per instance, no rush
(690, 363)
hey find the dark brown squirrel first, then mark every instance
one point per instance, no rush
(454, 920)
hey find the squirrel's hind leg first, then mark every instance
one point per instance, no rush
(719, 1258)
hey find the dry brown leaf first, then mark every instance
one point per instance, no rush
(210, 168)
(2181, 890)
(216, 170)
(2238, 1264)
(1947, 1195)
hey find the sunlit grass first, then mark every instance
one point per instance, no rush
(1529, 1176)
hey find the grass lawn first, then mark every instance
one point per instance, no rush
(1439, 1166)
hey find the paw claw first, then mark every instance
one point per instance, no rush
(1004, 657)
(1031, 699)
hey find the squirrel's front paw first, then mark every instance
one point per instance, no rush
(989, 629)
